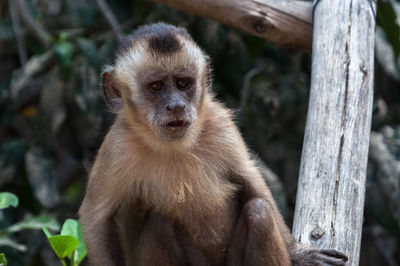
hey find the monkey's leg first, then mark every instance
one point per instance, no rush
(257, 239)
(260, 222)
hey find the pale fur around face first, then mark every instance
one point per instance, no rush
(139, 60)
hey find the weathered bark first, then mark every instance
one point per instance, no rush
(283, 23)
(330, 197)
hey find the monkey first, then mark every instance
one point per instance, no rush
(173, 183)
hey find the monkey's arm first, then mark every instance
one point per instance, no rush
(301, 254)
(259, 237)
(107, 186)
(266, 234)
(99, 230)
(256, 239)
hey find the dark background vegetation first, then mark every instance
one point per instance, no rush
(53, 117)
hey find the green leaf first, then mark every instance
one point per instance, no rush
(63, 245)
(3, 260)
(73, 228)
(6, 241)
(387, 19)
(69, 228)
(35, 223)
(64, 51)
(8, 199)
(46, 232)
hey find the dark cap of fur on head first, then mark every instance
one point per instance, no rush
(160, 37)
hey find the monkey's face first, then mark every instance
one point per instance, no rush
(162, 76)
(165, 92)
(168, 100)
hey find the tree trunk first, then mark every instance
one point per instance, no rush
(330, 196)
(283, 23)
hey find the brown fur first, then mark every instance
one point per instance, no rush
(196, 200)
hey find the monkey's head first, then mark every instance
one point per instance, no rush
(160, 77)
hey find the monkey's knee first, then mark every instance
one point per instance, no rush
(264, 245)
(259, 215)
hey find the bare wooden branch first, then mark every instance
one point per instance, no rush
(35, 28)
(330, 196)
(110, 17)
(283, 23)
(23, 57)
(108, 34)
(34, 67)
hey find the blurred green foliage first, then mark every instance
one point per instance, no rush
(3, 259)
(7, 200)
(388, 19)
(53, 117)
(69, 243)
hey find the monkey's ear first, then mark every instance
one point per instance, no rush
(112, 94)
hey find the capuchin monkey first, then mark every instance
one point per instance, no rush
(173, 182)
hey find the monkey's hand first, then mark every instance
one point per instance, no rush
(307, 256)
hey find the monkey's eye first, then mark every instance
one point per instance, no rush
(182, 83)
(156, 85)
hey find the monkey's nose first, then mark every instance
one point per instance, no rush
(176, 108)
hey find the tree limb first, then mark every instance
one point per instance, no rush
(36, 29)
(331, 187)
(283, 23)
(18, 33)
(110, 17)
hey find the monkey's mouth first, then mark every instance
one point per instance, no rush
(177, 124)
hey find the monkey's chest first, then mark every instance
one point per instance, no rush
(212, 232)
